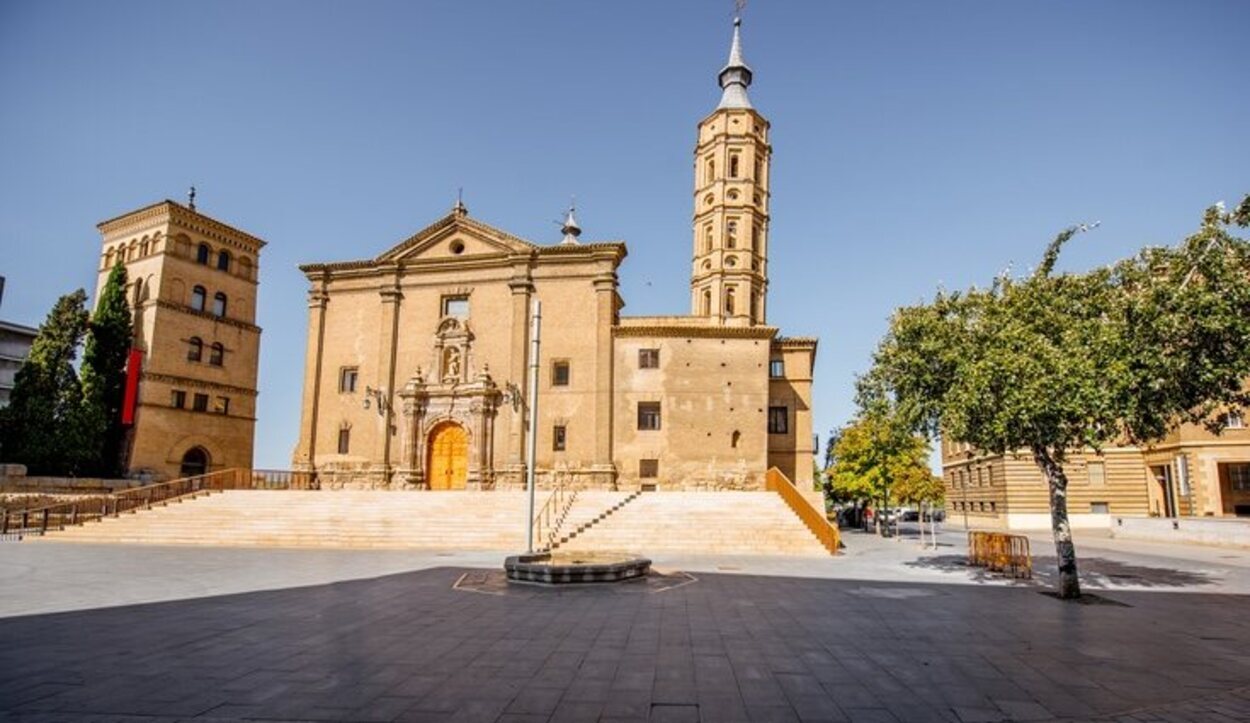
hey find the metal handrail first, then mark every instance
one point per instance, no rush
(556, 505)
(58, 516)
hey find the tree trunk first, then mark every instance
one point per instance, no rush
(1057, 482)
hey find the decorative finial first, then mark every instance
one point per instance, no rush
(191, 198)
(570, 229)
(460, 209)
(736, 75)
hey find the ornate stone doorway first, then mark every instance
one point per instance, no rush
(448, 457)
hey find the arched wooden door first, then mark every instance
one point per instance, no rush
(194, 462)
(448, 457)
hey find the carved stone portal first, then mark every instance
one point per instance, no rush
(452, 396)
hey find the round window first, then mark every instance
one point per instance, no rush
(457, 247)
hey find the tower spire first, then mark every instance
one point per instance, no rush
(736, 75)
(570, 229)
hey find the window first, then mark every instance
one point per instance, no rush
(733, 165)
(711, 170)
(195, 349)
(648, 468)
(457, 306)
(215, 354)
(219, 304)
(178, 399)
(1099, 508)
(200, 403)
(648, 416)
(755, 236)
(1234, 420)
(648, 358)
(347, 379)
(759, 171)
(1097, 474)
(993, 507)
(729, 301)
(707, 302)
(222, 406)
(245, 267)
(777, 368)
(560, 373)
(345, 440)
(223, 260)
(707, 238)
(731, 234)
(1239, 476)
(735, 438)
(198, 296)
(201, 254)
(559, 437)
(778, 420)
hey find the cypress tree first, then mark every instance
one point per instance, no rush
(41, 426)
(104, 375)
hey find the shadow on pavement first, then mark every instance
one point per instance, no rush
(1096, 572)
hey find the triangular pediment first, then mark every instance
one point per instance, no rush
(455, 236)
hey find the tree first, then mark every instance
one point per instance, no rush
(919, 486)
(873, 455)
(1056, 363)
(41, 427)
(104, 374)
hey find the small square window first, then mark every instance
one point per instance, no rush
(559, 437)
(777, 368)
(648, 358)
(1099, 508)
(178, 399)
(778, 420)
(200, 403)
(347, 379)
(648, 416)
(222, 406)
(559, 373)
(648, 468)
(457, 306)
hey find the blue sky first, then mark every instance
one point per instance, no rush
(915, 143)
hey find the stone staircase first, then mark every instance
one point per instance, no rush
(642, 522)
(750, 523)
(459, 520)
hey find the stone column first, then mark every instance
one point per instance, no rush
(306, 450)
(388, 333)
(522, 289)
(604, 472)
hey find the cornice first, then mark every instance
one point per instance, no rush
(698, 332)
(184, 309)
(200, 384)
(193, 220)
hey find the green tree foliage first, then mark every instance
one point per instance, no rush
(104, 374)
(42, 427)
(875, 457)
(1055, 363)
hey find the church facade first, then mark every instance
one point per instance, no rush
(416, 367)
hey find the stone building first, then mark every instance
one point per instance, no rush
(15, 343)
(192, 285)
(1192, 472)
(415, 372)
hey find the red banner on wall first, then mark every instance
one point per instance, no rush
(133, 366)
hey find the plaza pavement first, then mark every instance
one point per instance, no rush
(881, 633)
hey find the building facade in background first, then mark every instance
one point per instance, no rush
(416, 366)
(192, 283)
(15, 343)
(1190, 473)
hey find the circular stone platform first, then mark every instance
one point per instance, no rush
(547, 568)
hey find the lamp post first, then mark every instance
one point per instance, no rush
(531, 451)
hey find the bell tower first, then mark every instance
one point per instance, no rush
(729, 279)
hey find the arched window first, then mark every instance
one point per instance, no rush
(223, 260)
(195, 349)
(198, 297)
(729, 301)
(707, 302)
(219, 304)
(245, 267)
(138, 293)
(731, 235)
(733, 439)
(108, 259)
(711, 170)
(215, 354)
(144, 246)
(202, 253)
(707, 238)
